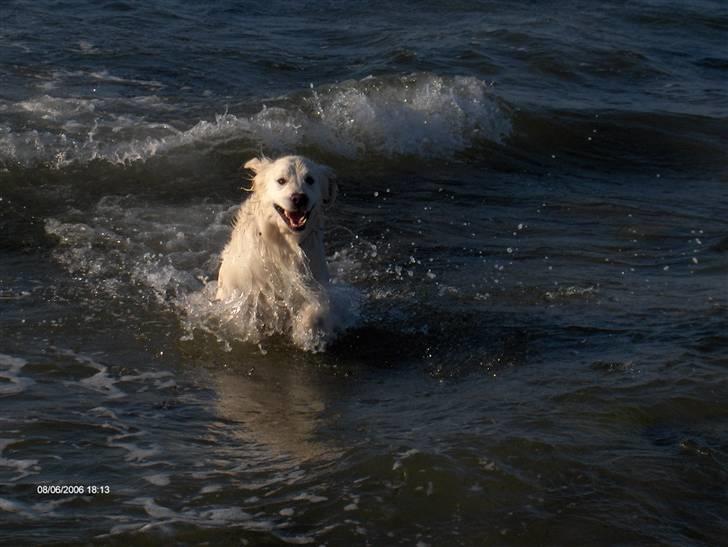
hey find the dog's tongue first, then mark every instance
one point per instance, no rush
(296, 217)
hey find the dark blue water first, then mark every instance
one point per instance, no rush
(533, 218)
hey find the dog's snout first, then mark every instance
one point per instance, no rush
(299, 201)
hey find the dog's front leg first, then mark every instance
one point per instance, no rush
(312, 324)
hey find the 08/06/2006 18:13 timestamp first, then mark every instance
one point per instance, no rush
(73, 489)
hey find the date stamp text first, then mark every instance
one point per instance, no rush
(73, 489)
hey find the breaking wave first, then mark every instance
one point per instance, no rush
(420, 114)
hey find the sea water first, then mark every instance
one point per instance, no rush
(530, 237)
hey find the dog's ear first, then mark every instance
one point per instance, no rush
(256, 165)
(332, 186)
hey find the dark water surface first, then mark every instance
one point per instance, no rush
(534, 217)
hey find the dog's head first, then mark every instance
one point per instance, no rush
(292, 191)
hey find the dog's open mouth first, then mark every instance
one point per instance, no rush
(295, 220)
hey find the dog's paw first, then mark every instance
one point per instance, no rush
(312, 327)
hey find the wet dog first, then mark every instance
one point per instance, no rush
(275, 257)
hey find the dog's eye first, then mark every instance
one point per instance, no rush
(309, 179)
(281, 181)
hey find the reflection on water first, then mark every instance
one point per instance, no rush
(275, 405)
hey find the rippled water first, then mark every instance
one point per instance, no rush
(532, 234)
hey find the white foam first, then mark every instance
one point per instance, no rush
(23, 468)
(421, 114)
(136, 454)
(11, 381)
(87, 47)
(145, 376)
(311, 498)
(249, 317)
(171, 252)
(105, 76)
(37, 511)
(162, 517)
(54, 107)
(158, 479)
(10, 506)
(564, 293)
(101, 381)
(401, 457)
(154, 510)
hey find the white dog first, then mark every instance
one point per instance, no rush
(275, 259)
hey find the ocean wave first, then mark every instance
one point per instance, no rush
(421, 115)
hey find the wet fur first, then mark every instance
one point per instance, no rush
(283, 270)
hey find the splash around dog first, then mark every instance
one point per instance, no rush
(274, 268)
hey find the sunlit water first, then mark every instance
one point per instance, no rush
(530, 241)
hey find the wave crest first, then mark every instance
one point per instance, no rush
(421, 114)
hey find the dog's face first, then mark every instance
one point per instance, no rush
(292, 190)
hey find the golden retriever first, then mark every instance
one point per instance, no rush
(275, 259)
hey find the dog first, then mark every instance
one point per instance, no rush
(275, 259)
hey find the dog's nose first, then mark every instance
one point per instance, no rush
(299, 201)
